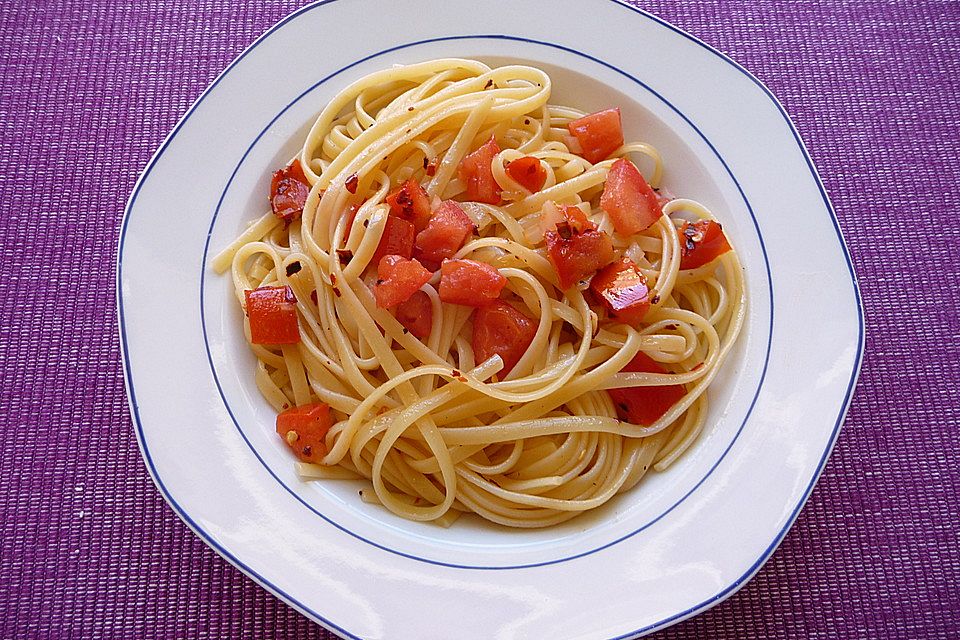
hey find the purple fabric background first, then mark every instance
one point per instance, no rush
(89, 549)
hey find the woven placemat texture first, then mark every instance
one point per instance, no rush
(89, 89)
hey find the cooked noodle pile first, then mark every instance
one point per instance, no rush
(436, 432)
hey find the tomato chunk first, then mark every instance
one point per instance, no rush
(448, 229)
(416, 314)
(273, 315)
(700, 243)
(499, 329)
(304, 429)
(397, 279)
(476, 174)
(397, 239)
(470, 283)
(577, 255)
(629, 201)
(528, 172)
(622, 290)
(645, 405)
(411, 203)
(576, 219)
(289, 189)
(599, 134)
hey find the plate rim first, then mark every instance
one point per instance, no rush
(724, 593)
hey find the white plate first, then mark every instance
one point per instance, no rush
(677, 544)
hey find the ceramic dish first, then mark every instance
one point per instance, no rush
(678, 543)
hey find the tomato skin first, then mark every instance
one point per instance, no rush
(700, 243)
(528, 172)
(310, 423)
(416, 314)
(410, 202)
(273, 315)
(397, 279)
(476, 174)
(289, 189)
(599, 134)
(645, 405)
(500, 329)
(470, 283)
(577, 255)
(397, 239)
(629, 201)
(622, 289)
(448, 229)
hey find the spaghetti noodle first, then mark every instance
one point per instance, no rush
(584, 384)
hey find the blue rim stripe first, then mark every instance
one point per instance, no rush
(226, 404)
(298, 605)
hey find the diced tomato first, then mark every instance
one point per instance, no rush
(416, 314)
(622, 290)
(577, 255)
(397, 279)
(470, 283)
(629, 201)
(554, 215)
(288, 191)
(411, 202)
(528, 172)
(476, 174)
(576, 218)
(499, 329)
(700, 243)
(397, 239)
(448, 229)
(273, 315)
(304, 429)
(599, 134)
(645, 405)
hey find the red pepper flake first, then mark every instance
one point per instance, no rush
(409, 108)
(489, 84)
(432, 167)
(425, 162)
(698, 367)
(455, 373)
(337, 292)
(366, 223)
(352, 183)
(655, 299)
(293, 268)
(313, 297)
(307, 450)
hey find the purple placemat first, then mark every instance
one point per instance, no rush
(89, 549)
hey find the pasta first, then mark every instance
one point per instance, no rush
(572, 398)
